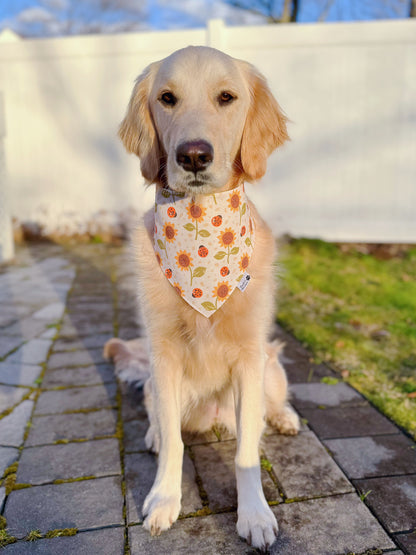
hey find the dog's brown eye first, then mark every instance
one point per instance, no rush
(225, 97)
(168, 98)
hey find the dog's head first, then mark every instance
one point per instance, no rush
(201, 121)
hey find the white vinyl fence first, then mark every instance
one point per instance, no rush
(348, 174)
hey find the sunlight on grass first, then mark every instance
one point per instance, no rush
(358, 314)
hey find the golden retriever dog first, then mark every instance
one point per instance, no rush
(203, 123)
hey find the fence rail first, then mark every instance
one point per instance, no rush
(348, 174)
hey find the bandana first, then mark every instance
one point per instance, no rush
(204, 245)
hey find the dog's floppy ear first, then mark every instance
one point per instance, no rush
(137, 130)
(264, 129)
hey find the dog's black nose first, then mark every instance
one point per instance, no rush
(194, 156)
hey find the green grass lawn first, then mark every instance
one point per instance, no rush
(358, 314)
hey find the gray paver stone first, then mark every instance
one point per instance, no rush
(364, 457)
(90, 425)
(25, 329)
(407, 541)
(313, 395)
(202, 535)
(303, 467)
(86, 375)
(132, 407)
(106, 541)
(40, 465)
(77, 398)
(134, 434)
(81, 329)
(328, 526)
(347, 422)
(393, 500)
(34, 351)
(7, 344)
(140, 474)
(13, 426)
(19, 374)
(83, 505)
(69, 344)
(7, 457)
(2, 497)
(215, 465)
(10, 396)
(51, 312)
(75, 358)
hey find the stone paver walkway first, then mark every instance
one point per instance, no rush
(73, 462)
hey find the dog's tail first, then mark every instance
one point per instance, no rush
(131, 360)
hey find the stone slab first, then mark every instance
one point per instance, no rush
(69, 344)
(215, 465)
(13, 426)
(34, 351)
(75, 358)
(81, 329)
(132, 406)
(407, 541)
(2, 497)
(10, 396)
(106, 541)
(215, 534)
(25, 329)
(313, 395)
(90, 425)
(365, 457)
(392, 499)
(7, 344)
(51, 312)
(347, 422)
(42, 465)
(297, 361)
(85, 375)
(77, 398)
(83, 505)
(19, 374)
(328, 526)
(140, 471)
(134, 434)
(7, 457)
(303, 467)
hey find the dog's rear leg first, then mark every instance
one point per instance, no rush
(162, 504)
(256, 522)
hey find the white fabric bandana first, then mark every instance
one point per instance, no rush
(204, 245)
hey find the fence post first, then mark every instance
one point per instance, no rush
(216, 33)
(6, 234)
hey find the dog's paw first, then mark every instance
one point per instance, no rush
(259, 529)
(161, 511)
(286, 421)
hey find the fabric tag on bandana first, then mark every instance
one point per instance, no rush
(204, 245)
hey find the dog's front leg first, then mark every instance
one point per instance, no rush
(162, 504)
(256, 522)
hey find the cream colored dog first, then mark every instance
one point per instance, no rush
(202, 122)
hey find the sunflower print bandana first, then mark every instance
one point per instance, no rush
(204, 245)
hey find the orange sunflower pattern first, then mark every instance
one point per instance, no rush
(204, 244)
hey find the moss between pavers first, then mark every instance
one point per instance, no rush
(33, 535)
(6, 538)
(59, 532)
(71, 480)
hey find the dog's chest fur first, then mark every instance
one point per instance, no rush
(209, 348)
